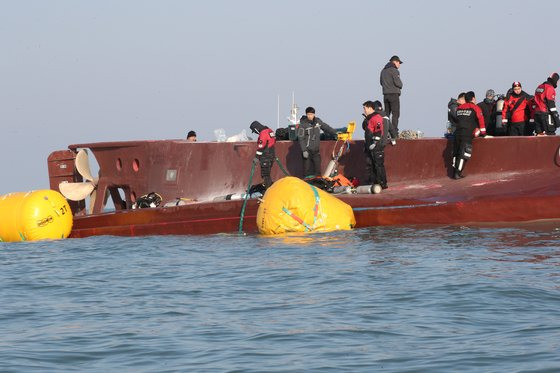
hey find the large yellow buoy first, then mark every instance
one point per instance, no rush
(292, 205)
(37, 215)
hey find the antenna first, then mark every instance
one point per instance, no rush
(293, 118)
(293, 98)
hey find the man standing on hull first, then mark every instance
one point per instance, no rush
(375, 126)
(545, 104)
(265, 154)
(390, 80)
(470, 123)
(515, 112)
(309, 137)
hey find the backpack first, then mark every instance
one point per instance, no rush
(282, 134)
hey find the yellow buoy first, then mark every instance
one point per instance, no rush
(292, 205)
(32, 216)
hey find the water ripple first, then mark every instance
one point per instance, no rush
(389, 299)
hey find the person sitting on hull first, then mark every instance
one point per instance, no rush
(470, 123)
(546, 114)
(376, 126)
(265, 154)
(515, 112)
(309, 137)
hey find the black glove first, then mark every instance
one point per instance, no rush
(255, 160)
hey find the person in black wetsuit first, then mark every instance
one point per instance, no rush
(376, 126)
(265, 150)
(470, 123)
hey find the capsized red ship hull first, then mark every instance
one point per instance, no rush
(509, 179)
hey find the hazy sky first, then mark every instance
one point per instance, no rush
(85, 71)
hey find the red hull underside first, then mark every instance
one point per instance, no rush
(508, 180)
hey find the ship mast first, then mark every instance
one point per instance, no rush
(293, 118)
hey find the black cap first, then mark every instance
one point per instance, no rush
(310, 110)
(395, 58)
(191, 134)
(553, 79)
(369, 104)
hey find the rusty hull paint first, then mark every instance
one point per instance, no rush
(509, 179)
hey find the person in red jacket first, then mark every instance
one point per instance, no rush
(376, 126)
(546, 115)
(470, 123)
(530, 126)
(265, 150)
(515, 111)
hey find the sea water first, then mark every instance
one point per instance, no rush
(400, 299)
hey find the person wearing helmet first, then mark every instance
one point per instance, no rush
(470, 123)
(376, 126)
(546, 114)
(265, 154)
(515, 113)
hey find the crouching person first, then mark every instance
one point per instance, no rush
(470, 123)
(265, 154)
(376, 126)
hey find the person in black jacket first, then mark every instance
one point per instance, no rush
(488, 107)
(452, 113)
(390, 80)
(309, 137)
(470, 123)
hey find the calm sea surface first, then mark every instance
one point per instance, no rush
(381, 299)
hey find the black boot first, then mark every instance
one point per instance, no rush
(456, 174)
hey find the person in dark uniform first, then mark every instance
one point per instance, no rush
(376, 126)
(470, 123)
(546, 114)
(309, 137)
(390, 80)
(488, 107)
(265, 150)
(452, 106)
(515, 113)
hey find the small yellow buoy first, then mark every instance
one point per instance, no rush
(36, 215)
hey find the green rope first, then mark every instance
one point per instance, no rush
(282, 167)
(246, 197)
